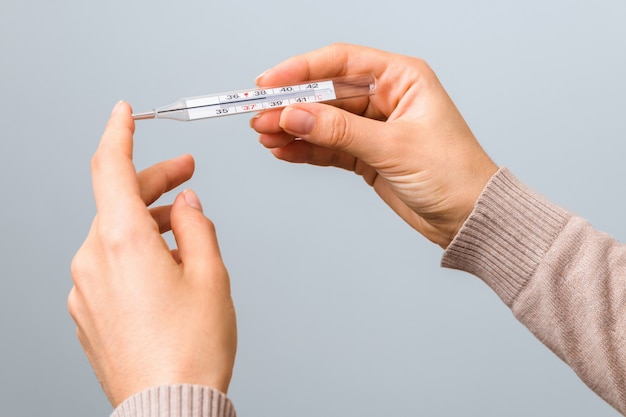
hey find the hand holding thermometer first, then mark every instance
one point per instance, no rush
(257, 99)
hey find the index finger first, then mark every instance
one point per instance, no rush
(331, 61)
(114, 177)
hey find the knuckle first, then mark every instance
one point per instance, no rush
(78, 266)
(339, 45)
(124, 232)
(198, 222)
(82, 268)
(420, 62)
(339, 133)
(422, 68)
(98, 160)
(73, 304)
(210, 225)
(114, 239)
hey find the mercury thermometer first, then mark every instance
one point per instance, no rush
(257, 99)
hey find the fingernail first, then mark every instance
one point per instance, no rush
(297, 121)
(254, 119)
(260, 76)
(117, 107)
(192, 199)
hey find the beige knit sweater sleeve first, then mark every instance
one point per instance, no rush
(563, 279)
(183, 400)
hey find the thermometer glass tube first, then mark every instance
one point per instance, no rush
(257, 99)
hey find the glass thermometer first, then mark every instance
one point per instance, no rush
(257, 99)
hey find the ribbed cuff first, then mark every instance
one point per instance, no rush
(177, 401)
(506, 236)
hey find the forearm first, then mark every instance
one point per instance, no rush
(176, 401)
(562, 279)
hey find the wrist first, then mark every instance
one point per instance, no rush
(508, 219)
(466, 204)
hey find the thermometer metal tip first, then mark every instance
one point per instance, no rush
(144, 115)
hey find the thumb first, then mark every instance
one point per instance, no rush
(194, 232)
(334, 128)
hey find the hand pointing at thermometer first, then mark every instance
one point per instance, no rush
(148, 316)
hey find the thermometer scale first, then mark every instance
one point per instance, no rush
(258, 99)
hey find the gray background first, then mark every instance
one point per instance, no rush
(343, 309)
